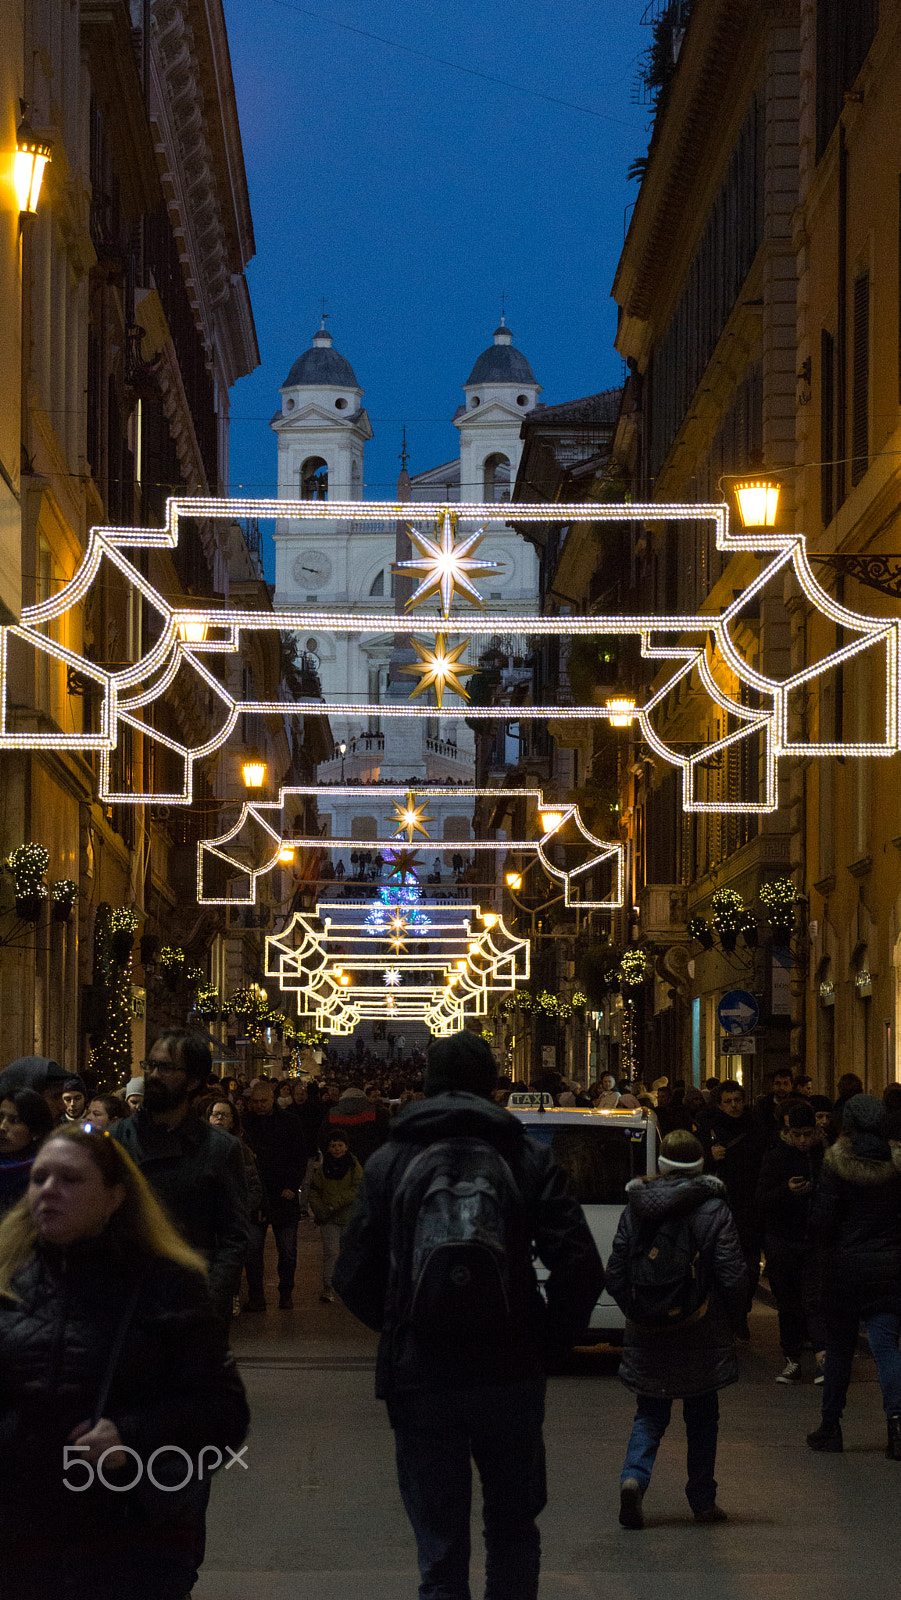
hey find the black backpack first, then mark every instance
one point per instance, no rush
(459, 1249)
(667, 1284)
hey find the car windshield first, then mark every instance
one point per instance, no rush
(597, 1162)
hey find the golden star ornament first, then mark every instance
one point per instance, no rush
(444, 565)
(440, 670)
(411, 818)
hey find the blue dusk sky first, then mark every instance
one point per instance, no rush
(412, 195)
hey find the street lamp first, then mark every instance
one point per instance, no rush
(286, 853)
(32, 156)
(513, 880)
(192, 630)
(621, 712)
(342, 751)
(758, 501)
(550, 820)
(253, 769)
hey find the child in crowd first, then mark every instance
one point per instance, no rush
(333, 1190)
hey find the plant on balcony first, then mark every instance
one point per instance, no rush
(728, 909)
(779, 896)
(206, 1003)
(749, 930)
(172, 964)
(699, 928)
(122, 925)
(28, 864)
(63, 895)
(194, 977)
(633, 966)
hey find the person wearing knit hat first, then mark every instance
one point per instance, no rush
(134, 1094)
(457, 1199)
(856, 1219)
(688, 1351)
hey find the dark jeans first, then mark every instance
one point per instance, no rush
(785, 1271)
(286, 1245)
(499, 1427)
(883, 1332)
(702, 1414)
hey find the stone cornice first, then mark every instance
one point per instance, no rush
(202, 174)
(724, 38)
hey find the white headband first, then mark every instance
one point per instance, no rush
(688, 1169)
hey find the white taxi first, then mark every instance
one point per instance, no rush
(600, 1152)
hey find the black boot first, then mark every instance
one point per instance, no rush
(827, 1437)
(893, 1448)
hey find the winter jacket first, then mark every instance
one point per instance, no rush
(784, 1215)
(256, 1199)
(699, 1354)
(739, 1169)
(277, 1142)
(363, 1124)
(556, 1226)
(197, 1171)
(331, 1199)
(174, 1383)
(856, 1222)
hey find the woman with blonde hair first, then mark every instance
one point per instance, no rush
(118, 1394)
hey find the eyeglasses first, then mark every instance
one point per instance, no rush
(159, 1066)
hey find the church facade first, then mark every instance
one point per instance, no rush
(322, 430)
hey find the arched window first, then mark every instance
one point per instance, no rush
(378, 584)
(314, 479)
(496, 477)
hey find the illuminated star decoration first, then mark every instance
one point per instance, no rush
(440, 669)
(405, 865)
(443, 566)
(392, 977)
(410, 818)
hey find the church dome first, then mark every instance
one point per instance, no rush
(501, 362)
(321, 367)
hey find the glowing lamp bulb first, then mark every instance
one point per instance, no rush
(550, 820)
(192, 630)
(286, 853)
(758, 501)
(621, 712)
(344, 980)
(254, 771)
(490, 918)
(462, 964)
(32, 156)
(513, 880)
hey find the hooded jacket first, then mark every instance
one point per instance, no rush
(363, 1124)
(856, 1221)
(697, 1355)
(559, 1234)
(331, 1199)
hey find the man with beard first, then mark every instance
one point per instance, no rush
(196, 1170)
(734, 1149)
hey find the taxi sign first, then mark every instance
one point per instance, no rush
(523, 1100)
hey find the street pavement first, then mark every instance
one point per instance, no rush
(317, 1515)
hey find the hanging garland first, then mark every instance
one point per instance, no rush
(632, 966)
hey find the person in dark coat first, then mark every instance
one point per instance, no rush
(450, 1404)
(195, 1170)
(791, 1167)
(88, 1262)
(856, 1220)
(734, 1144)
(40, 1073)
(768, 1108)
(695, 1359)
(25, 1119)
(363, 1123)
(276, 1139)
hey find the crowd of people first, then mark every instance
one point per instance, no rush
(131, 1220)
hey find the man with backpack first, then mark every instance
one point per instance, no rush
(438, 1256)
(678, 1274)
